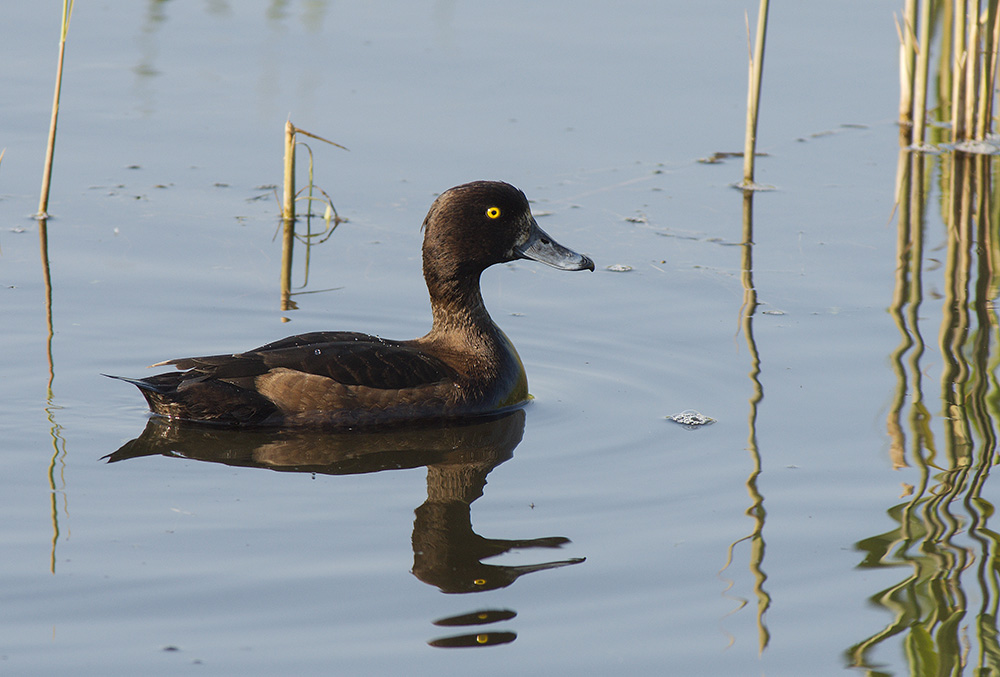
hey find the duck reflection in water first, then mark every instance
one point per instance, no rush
(447, 553)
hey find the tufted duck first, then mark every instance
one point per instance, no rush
(465, 365)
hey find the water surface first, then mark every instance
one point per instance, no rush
(769, 542)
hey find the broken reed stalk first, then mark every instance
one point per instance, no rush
(753, 94)
(288, 201)
(288, 217)
(288, 206)
(43, 201)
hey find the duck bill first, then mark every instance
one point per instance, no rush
(542, 248)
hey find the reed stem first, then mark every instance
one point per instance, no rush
(43, 201)
(972, 72)
(288, 209)
(920, 75)
(288, 204)
(907, 65)
(753, 95)
(288, 217)
(989, 71)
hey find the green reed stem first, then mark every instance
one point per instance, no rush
(43, 202)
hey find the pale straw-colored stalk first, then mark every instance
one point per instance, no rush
(756, 70)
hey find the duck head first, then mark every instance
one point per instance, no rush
(476, 225)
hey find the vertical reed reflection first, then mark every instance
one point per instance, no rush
(308, 240)
(756, 510)
(943, 529)
(310, 194)
(58, 459)
(287, 247)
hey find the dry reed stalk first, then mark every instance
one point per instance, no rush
(960, 51)
(288, 203)
(288, 217)
(288, 208)
(907, 64)
(920, 74)
(969, 103)
(756, 70)
(988, 72)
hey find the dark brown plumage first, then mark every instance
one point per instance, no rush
(465, 366)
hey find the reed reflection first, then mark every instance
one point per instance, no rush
(57, 462)
(944, 609)
(756, 510)
(447, 553)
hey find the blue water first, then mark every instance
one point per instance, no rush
(162, 245)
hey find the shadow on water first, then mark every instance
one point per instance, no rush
(447, 552)
(945, 608)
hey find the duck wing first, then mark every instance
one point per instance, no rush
(349, 358)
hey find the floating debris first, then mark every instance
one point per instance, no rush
(978, 147)
(753, 186)
(619, 268)
(720, 156)
(691, 419)
(717, 157)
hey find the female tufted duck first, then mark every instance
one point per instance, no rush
(465, 366)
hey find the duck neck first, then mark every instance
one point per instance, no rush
(457, 305)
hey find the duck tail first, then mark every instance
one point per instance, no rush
(141, 384)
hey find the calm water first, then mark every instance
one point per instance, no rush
(835, 515)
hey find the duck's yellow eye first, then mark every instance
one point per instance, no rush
(493, 213)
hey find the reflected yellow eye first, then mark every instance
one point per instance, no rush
(493, 213)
